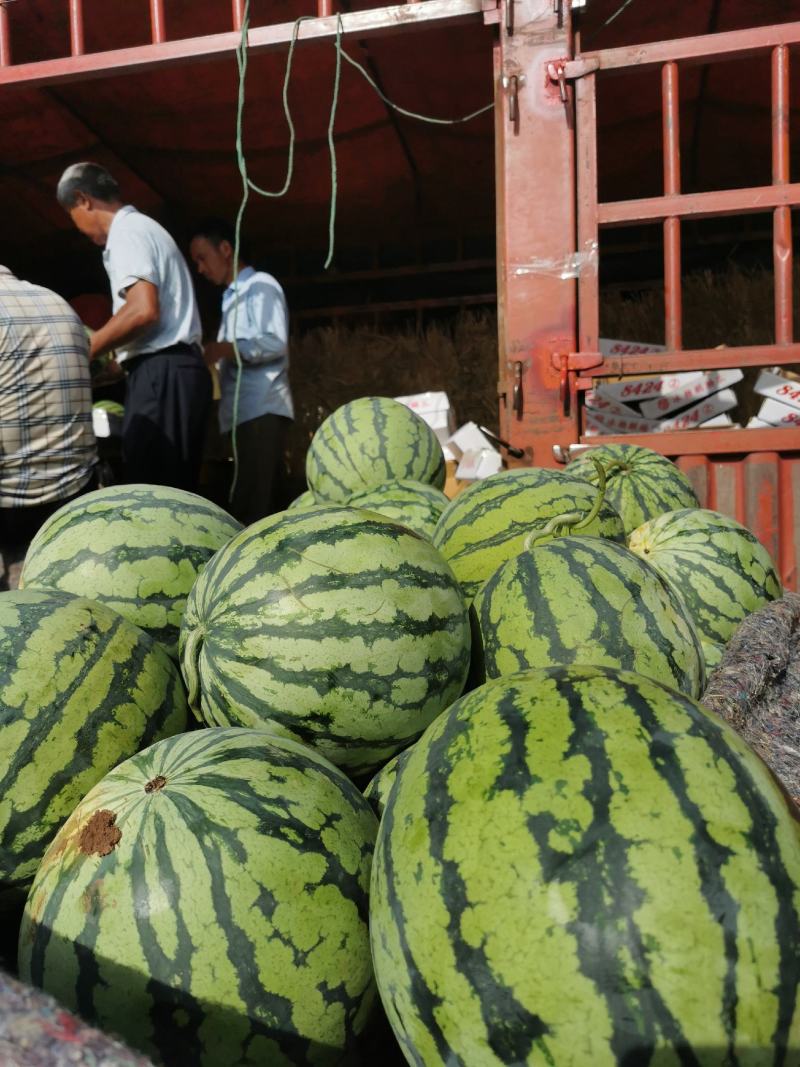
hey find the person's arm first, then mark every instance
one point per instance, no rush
(140, 310)
(263, 330)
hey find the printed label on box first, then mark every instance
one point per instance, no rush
(611, 347)
(597, 402)
(778, 388)
(600, 422)
(702, 412)
(696, 388)
(661, 386)
(778, 414)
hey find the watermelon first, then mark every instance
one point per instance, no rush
(720, 570)
(332, 625)
(414, 504)
(580, 866)
(491, 521)
(641, 483)
(380, 785)
(208, 902)
(584, 600)
(136, 548)
(368, 442)
(81, 689)
(305, 500)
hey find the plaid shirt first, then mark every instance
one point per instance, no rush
(47, 445)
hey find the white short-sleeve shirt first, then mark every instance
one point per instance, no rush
(139, 249)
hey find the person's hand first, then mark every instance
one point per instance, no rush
(215, 351)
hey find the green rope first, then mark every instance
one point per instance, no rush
(248, 185)
(571, 521)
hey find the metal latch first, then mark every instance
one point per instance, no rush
(512, 83)
(566, 363)
(560, 71)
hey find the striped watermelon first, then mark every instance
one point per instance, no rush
(414, 504)
(81, 689)
(380, 785)
(332, 625)
(136, 548)
(208, 902)
(641, 483)
(489, 522)
(579, 866)
(583, 600)
(305, 500)
(720, 570)
(368, 442)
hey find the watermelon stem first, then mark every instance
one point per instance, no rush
(191, 670)
(572, 521)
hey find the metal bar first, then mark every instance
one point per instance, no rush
(707, 442)
(324, 9)
(5, 37)
(535, 225)
(157, 29)
(782, 221)
(586, 140)
(376, 22)
(379, 274)
(670, 119)
(735, 44)
(695, 359)
(76, 44)
(237, 10)
(699, 205)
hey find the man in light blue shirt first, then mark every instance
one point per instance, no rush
(254, 313)
(154, 330)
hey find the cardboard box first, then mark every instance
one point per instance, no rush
(693, 388)
(468, 438)
(776, 387)
(473, 466)
(775, 413)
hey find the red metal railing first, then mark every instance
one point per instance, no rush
(753, 474)
(673, 206)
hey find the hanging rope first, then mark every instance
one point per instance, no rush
(248, 185)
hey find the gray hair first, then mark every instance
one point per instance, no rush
(90, 179)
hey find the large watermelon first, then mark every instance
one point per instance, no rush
(208, 902)
(377, 790)
(333, 625)
(583, 600)
(490, 521)
(81, 689)
(136, 548)
(720, 570)
(641, 483)
(368, 442)
(411, 503)
(580, 867)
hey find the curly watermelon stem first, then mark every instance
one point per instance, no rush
(572, 521)
(191, 669)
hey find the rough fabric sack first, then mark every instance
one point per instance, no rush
(35, 1031)
(756, 687)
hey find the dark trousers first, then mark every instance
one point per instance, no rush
(19, 526)
(167, 404)
(259, 444)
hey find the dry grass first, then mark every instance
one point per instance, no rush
(334, 364)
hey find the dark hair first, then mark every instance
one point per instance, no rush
(90, 179)
(218, 230)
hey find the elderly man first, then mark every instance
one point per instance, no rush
(155, 330)
(48, 453)
(254, 313)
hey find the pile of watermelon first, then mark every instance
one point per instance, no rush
(446, 767)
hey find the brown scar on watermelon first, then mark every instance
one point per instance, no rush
(155, 784)
(100, 835)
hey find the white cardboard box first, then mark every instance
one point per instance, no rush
(777, 414)
(694, 388)
(702, 412)
(685, 387)
(468, 438)
(776, 387)
(478, 464)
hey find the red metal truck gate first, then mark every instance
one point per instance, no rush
(548, 260)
